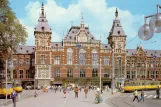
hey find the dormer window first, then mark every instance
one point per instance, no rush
(42, 28)
(92, 38)
(105, 46)
(27, 51)
(72, 31)
(56, 44)
(21, 48)
(74, 38)
(151, 54)
(70, 37)
(117, 24)
(33, 48)
(118, 32)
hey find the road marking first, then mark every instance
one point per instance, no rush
(149, 96)
(155, 96)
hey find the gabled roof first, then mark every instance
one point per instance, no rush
(105, 46)
(42, 25)
(117, 29)
(25, 49)
(71, 35)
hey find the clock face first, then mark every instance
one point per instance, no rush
(82, 38)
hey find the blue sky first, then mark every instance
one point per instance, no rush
(98, 14)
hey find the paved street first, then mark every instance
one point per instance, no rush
(125, 100)
(51, 99)
(24, 95)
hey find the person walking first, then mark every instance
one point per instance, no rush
(85, 91)
(135, 95)
(13, 97)
(65, 92)
(76, 92)
(142, 95)
(158, 92)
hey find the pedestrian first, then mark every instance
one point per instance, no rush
(76, 92)
(64, 91)
(135, 95)
(85, 91)
(142, 95)
(13, 97)
(158, 92)
(35, 94)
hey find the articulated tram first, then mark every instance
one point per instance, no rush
(130, 86)
(10, 87)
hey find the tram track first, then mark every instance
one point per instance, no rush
(122, 100)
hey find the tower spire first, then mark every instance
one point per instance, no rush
(82, 21)
(42, 9)
(116, 14)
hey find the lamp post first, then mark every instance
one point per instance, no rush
(100, 73)
(146, 32)
(113, 71)
(78, 46)
(154, 67)
(9, 50)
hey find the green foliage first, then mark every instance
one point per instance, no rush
(12, 32)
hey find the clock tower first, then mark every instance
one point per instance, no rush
(43, 55)
(117, 40)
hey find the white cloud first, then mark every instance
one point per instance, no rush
(96, 13)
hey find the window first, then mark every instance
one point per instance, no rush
(27, 61)
(57, 60)
(106, 73)
(106, 60)
(94, 73)
(27, 74)
(82, 73)
(33, 62)
(14, 74)
(8, 74)
(15, 62)
(42, 59)
(133, 74)
(82, 55)
(70, 72)
(21, 73)
(57, 72)
(128, 74)
(69, 56)
(21, 61)
(94, 58)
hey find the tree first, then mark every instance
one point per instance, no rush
(12, 32)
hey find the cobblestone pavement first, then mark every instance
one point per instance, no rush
(52, 99)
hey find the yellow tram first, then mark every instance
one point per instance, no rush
(141, 85)
(17, 87)
(4, 91)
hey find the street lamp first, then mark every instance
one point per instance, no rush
(78, 46)
(100, 73)
(146, 32)
(113, 71)
(9, 50)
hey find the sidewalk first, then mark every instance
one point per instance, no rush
(24, 95)
(56, 99)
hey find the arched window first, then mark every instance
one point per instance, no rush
(94, 73)
(57, 72)
(69, 56)
(82, 56)
(70, 72)
(82, 73)
(106, 60)
(94, 58)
